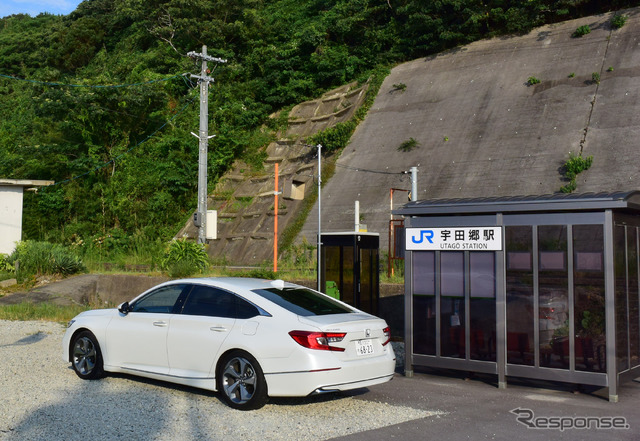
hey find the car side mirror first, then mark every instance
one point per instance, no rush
(124, 308)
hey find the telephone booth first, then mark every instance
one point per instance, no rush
(349, 270)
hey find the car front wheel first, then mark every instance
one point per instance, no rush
(86, 357)
(241, 381)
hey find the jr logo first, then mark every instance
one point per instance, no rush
(428, 234)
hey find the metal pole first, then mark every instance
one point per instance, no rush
(414, 183)
(391, 204)
(275, 226)
(319, 146)
(203, 145)
(357, 217)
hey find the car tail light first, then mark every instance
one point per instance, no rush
(387, 335)
(318, 340)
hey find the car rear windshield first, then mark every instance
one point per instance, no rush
(303, 302)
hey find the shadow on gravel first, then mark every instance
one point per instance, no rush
(91, 411)
(282, 401)
(28, 340)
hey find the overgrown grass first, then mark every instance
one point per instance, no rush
(32, 258)
(581, 31)
(572, 168)
(408, 145)
(533, 80)
(396, 278)
(183, 258)
(120, 258)
(618, 20)
(41, 311)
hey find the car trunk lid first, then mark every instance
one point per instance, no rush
(364, 335)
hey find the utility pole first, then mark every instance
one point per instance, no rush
(319, 146)
(203, 136)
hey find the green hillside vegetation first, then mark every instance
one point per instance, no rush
(123, 158)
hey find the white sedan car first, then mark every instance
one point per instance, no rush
(247, 338)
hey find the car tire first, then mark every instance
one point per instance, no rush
(86, 357)
(241, 381)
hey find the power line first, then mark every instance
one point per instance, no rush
(95, 86)
(128, 151)
(381, 172)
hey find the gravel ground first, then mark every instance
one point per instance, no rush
(43, 399)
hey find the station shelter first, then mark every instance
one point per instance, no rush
(540, 287)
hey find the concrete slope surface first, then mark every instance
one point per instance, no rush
(481, 130)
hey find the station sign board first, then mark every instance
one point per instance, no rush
(454, 239)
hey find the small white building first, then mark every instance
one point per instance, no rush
(11, 195)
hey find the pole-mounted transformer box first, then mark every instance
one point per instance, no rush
(212, 225)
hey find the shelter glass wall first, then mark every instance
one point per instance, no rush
(627, 297)
(454, 304)
(520, 304)
(553, 297)
(482, 306)
(543, 301)
(424, 302)
(589, 298)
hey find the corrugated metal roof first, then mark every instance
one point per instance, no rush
(548, 202)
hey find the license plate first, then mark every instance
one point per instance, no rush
(364, 347)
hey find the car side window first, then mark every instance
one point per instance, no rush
(245, 310)
(215, 302)
(162, 300)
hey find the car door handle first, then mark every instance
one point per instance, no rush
(160, 324)
(219, 328)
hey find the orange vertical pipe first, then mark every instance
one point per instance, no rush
(275, 226)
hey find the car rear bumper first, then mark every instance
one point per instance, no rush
(350, 375)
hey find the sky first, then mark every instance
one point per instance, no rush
(35, 7)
